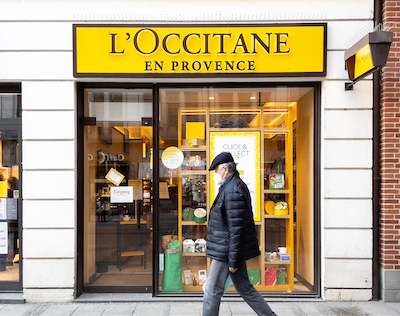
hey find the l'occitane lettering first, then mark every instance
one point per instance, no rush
(199, 43)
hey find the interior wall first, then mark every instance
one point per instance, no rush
(305, 188)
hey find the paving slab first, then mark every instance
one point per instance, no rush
(16, 309)
(240, 309)
(394, 306)
(89, 310)
(185, 309)
(347, 311)
(377, 307)
(153, 309)
(283, 312)
(309, 308)
(59, 310)
(120, 310)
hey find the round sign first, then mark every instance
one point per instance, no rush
(172, 157)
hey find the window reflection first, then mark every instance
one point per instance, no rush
(9, 196)
(10, 105)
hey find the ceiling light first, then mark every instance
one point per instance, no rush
(211, 98)
(252, 98)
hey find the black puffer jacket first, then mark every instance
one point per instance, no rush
(231, 233)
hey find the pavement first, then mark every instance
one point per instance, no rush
(176, 308)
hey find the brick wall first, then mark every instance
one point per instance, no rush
(390, 144)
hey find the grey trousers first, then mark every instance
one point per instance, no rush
(215, 284)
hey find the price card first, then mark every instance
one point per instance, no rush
(114, 176)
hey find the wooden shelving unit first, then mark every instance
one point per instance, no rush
(267, 131)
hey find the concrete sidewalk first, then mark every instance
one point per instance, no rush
(376, 308)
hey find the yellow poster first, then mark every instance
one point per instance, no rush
(245, 147)
(3, 189)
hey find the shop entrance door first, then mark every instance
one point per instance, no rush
(117, 190)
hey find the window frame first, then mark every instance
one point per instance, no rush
(80, 288)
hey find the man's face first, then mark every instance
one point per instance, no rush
(223, 172)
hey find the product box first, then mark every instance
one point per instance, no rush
(270, 276)
(284, 257)
(193, 163)
(254, 276)
(195, 130)
(281, 275)
(276, 181)
(281, 208)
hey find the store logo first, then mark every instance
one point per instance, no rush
(122, 50)
(102, 157)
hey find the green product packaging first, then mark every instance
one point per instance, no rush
(281, 275)
(276, 181)
(172, 280)
(200, 215)
(188, 214)
(254, 276)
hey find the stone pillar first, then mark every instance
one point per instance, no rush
(49, 191)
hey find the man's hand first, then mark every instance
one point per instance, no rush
(233, 270)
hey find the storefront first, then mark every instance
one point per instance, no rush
(128, 119)
(269, 129)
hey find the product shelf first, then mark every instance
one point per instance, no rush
(277, 191)
(193, 254)
(277, 262)
(198, 148)
(192, 223)
(191, 288)
(194, 172)
(278, 287)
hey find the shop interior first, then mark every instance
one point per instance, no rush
(10, 108)
(9, 195)
(118, 226)
(194, 120)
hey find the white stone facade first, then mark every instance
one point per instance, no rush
(36, 50)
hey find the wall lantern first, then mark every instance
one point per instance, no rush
(366, 56)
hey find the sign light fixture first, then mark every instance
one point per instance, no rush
(367, 56)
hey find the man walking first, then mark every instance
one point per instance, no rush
(231, 239)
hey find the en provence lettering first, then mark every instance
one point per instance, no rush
(169, 50)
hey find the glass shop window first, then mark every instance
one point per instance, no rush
(10, 190)
(270, 133)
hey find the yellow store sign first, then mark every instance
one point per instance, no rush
(363, 61)
(200, 50)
